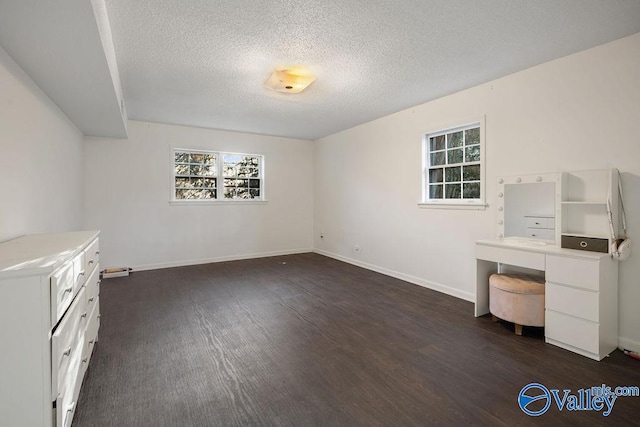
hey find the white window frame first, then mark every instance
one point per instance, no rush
(471, 204)
(219, 200)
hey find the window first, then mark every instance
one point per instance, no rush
(453, 167)
(207, 175)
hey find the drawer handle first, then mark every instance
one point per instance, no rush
(537, 223)
(85, 360)
(81, 273)
(67, 352)
(84, 314)
(583, 244)
(69, 289)
(90, 300)
(97, 252)
(533, 235)
(90, 261)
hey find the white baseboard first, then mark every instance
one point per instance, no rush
(628, 344)
(468, 296)
(184, 263)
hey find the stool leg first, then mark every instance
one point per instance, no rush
(518, 329)
(494, 318)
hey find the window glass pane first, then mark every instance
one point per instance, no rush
(209, 170)
(209, 182)
(229, 192)
(454, 139)
(472, 136)
(254, 192)
(436, 143)
(471, 173)
(208, 194)
(244, 172)
(195, 170)
(435, 191)
(229, 182)
(242, 183)
(471, 190)
(472, 154)
(243, 193)
(195, 158)
(182, 169)
(182, 182)
(182, 157)
(438, 158)
(250, 161)
(196, 182)
(452, 191)
(254, 183)
(232, 158)
(254, 172)
(209, 159)
(435, 175)
(229, 170)
(454, 156)
(452, 174)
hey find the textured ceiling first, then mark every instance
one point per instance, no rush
(203, 62)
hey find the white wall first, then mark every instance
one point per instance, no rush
(41, 155)
(578, 112)
(128, 189)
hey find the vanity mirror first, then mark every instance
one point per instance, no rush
(529, 208)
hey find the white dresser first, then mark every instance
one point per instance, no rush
(50, 316)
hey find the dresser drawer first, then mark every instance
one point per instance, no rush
(572, 301)
(91, 336)
(92, 256)
(578, 333)
(91, 290)
(582, 273)
(67, 398)
(539, 222)
(79, 271)
(64, 343)
(510, 256)
(541, 233)
(62, 284)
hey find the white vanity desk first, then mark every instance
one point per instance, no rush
(537, 215)
(581, 291)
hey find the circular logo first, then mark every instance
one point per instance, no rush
(531, 393)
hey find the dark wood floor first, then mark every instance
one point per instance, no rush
(308, 340)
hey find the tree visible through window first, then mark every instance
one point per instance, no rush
(206, 175)
(453, 165)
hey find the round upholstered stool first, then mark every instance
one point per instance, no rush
(518, 299)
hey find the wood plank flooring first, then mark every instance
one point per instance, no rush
(307, 340)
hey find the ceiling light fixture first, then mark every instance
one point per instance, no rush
(289, 80)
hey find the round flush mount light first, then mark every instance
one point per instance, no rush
(289, 80)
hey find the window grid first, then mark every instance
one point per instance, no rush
(207, 175)
(453, 165)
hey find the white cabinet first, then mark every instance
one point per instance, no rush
(582, 304)
(49, 317)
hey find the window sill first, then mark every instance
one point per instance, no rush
(216, 202)
(454, 206)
